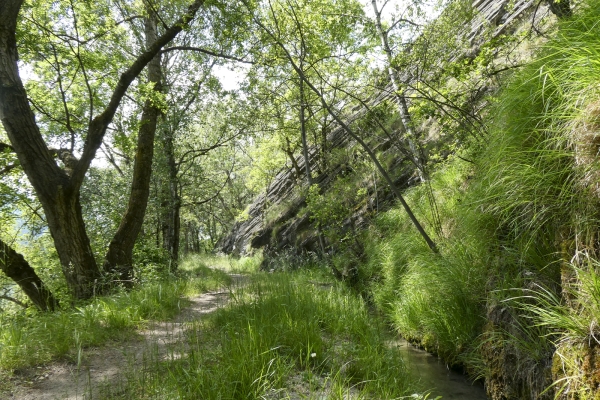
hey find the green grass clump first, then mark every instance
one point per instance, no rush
(226, 263)
(572, 325)
(434, 299)
(282, 333)
(526, 206)
(30, 338)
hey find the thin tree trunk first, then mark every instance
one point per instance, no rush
(290, 155)
(303, 133)
(309, 180)
(18, 269)
(119, 258)
(383, 173)
(411, 135)
(172, 223)
(399, 96)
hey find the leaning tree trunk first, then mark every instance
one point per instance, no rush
(18, 269)
(416, 151)
(358, 139)
(119, 258)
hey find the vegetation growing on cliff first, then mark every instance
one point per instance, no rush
(490, 261)
(510, 297)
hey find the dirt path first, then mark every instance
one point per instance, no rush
(100, 369)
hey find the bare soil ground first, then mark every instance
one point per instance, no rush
(100, 368)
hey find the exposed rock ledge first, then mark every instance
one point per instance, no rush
(284, 194)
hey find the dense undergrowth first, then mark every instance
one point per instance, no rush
(519, 223)
(298, 333)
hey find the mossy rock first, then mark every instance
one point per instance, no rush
(576, 370)
(513, 370)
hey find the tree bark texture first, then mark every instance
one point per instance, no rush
(119, 257)
(172, 222)
(57, 190)
(18, 269)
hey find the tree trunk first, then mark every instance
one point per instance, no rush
(309, 180)
(172, 223)
(412, 138)
(303, 133)
(290, 155)
(72, 244)
(119, 258)
(18, 269)
(405, 116)
(57, 189)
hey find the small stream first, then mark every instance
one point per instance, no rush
(431, 374)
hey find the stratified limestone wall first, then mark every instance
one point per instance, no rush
(285, 192)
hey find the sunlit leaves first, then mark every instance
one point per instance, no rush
(74, 51)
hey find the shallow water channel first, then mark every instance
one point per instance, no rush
(431, 374)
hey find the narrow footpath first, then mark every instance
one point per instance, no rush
(100, 369)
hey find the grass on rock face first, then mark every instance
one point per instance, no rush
(282, 334)
(511, 220)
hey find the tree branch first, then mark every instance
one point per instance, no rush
(208, 52)
(99, 124)
(19, 302)
(9, 168)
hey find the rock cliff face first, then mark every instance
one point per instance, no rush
(284, 199)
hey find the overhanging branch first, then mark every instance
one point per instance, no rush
(208, 52)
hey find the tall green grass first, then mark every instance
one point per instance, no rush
(290, 334)
(574, 327)
(540, 182)
(29, 338)
(436, 300)
(227, 263)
